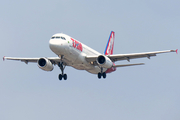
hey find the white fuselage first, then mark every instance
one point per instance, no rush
(74, 52)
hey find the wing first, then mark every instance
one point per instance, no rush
(118, 57)
(54, 60)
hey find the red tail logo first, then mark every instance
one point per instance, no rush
(110, 44)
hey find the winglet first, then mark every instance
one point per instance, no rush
(3, 58)
(176, 51)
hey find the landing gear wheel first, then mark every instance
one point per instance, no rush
(65, 76)
(60, 77)
(99, 75)
(104, 75)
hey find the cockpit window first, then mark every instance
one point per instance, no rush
(58, 37)
(63, 38)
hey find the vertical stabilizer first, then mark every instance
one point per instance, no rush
(110, 44)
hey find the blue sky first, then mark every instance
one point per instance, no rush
(131, 93)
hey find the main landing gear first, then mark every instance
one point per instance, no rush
(62, 67)
(101, 74)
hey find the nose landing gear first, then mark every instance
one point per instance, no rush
(62, 67)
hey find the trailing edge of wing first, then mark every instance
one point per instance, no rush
(125, 65)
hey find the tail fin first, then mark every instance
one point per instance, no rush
(110, 44)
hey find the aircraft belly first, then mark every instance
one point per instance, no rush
(96, 70)
(79, 66)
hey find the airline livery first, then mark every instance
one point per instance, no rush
(73, 53)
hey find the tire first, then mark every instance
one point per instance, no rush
(104, 75)
(65, 76)
(99, 75)
(60, 77)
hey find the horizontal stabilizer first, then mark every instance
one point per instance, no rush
(128, 65)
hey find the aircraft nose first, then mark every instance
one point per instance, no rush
(57, 46)
(54, 44)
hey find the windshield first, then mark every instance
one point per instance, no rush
(58, 37)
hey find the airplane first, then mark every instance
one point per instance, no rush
(71, 52)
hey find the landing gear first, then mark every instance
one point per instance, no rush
(62, 76)
(101, 74)
(62, 67)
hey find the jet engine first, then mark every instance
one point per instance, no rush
(45, 64)
(104, 61)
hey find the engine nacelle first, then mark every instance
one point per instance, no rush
(45, 64)
(104, 61)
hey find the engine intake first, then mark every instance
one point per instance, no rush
(104, 61)
(45, 64)
(101, 59)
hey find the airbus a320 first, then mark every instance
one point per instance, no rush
(71, 52)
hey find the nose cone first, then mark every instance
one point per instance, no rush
(53, 44)
(57, 46)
